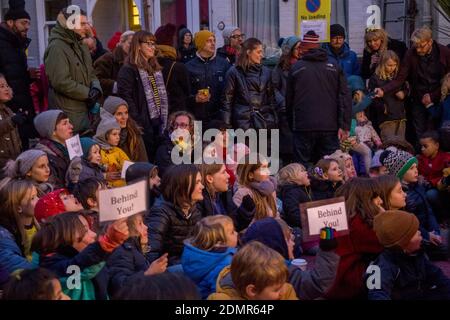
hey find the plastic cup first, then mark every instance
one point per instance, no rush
(300, 263)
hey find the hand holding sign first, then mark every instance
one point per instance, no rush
(74, 147)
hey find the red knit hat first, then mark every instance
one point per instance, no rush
(310, 37)
(112, 43)
(165, 34)
(50, 205)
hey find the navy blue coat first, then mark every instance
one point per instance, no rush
(292, 195)
(405, 277)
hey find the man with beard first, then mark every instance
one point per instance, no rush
(13, 64)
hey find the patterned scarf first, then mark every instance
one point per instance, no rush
(156, 95)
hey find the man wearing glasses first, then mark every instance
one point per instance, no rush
(233, 39)
(424, 66)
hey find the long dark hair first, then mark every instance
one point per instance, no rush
(386, 184)
(249, 45)
(178, 184)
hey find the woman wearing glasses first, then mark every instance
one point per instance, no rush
(233, 39)
(141, 84)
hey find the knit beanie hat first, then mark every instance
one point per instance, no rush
(227, 32)
(267, 231)
(397, 162)
(112, 103)
(45, 123)
(165, 34)
(201, 37)
(310, 37)
(337, 30)
(107, 123)
(395, 228)
(86, 145)
(23, 163)
(115, 39)
(356, 83)
(289, 43)
(50, 205)
(16, 10)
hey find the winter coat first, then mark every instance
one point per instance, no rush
(292, 195)
(13, 65)
(228, 53)
(186, 55)
(409, 72)
(417, 203)
(58, 158)
(357, 250)
(367, 134)
(279, 82)
(127, 262)
(10, 144)
(226, 290)
(388, 108)
(409, 277)
(81, 169)
(399, 47)
(203, 74)
(114, 159)
(168, 228)
(107, 69)
(346, 58)
(323, 189)
(441, 111)
(90, 262)
(69, 69)
(176, 78)
(432, 169)
(140, 153)
(203, 267)
(224, 200)
(317, 96)
(11, 256)
(246, 91)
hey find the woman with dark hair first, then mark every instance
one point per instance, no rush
(360, 246)
(141, 84)
(171, 220)
(186, 48)
(249, 97)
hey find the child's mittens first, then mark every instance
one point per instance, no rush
(328, 241)
(248, 204)
(116, 234)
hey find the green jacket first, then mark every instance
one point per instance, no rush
(69, 69)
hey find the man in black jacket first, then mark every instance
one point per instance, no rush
(318, 104)
(13, 65)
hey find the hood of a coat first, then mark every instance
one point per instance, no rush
(197, 264)
(318, 54)
(61, 32)
(138, 171)
(225, 285)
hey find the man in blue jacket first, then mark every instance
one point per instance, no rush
(339, 51)
(207, 76)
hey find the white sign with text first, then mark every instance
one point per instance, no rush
(74, 147)
(331, 215)
(123, 202)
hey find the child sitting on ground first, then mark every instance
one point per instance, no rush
(346, 164)
(142, 170)
(256, 273)
(326, 178)
(208, 251)
(365, 132)
(87, 192)
(113, 158)
(87, 166)
(55, 203)
(405, 271)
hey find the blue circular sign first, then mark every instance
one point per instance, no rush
(313, 5)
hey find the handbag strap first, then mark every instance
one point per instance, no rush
(170, 73)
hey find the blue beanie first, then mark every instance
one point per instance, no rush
(267, 231)
(86, 145)
(289, 43)
(356, 83)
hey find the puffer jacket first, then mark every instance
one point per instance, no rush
(168, 228)
(68, 65)
(388, 108)
(323, 189)
(317, 96)
(292, 195)
(11, 256)
(126, 263)
(347, 59)
(58, 158)
(417, 203)
(246, 91)
(203, 74)
(405, 277)
(203, 267)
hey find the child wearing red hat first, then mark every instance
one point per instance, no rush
(54, 203)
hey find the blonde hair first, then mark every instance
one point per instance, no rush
(445, 89)
(131, 223)
(288, 174)
(208, 170)
(210, 232)
(376, 34)
(422, 34)
(258, 265)
(381, 69)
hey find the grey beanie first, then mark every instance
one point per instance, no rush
(23, 164)
(112, 103)
(107, 123)
(45, 123)
(289, 43)
(227, 32)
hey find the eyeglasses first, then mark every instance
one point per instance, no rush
(237, 36)
(421, 46)
(180, 126)
(150, 44)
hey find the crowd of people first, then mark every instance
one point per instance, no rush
(375, 133)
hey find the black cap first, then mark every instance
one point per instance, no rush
(17, 10)
(337, 30)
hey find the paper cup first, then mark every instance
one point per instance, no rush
(300, 263)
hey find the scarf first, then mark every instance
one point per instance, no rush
(156, 96)
(266, 188)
